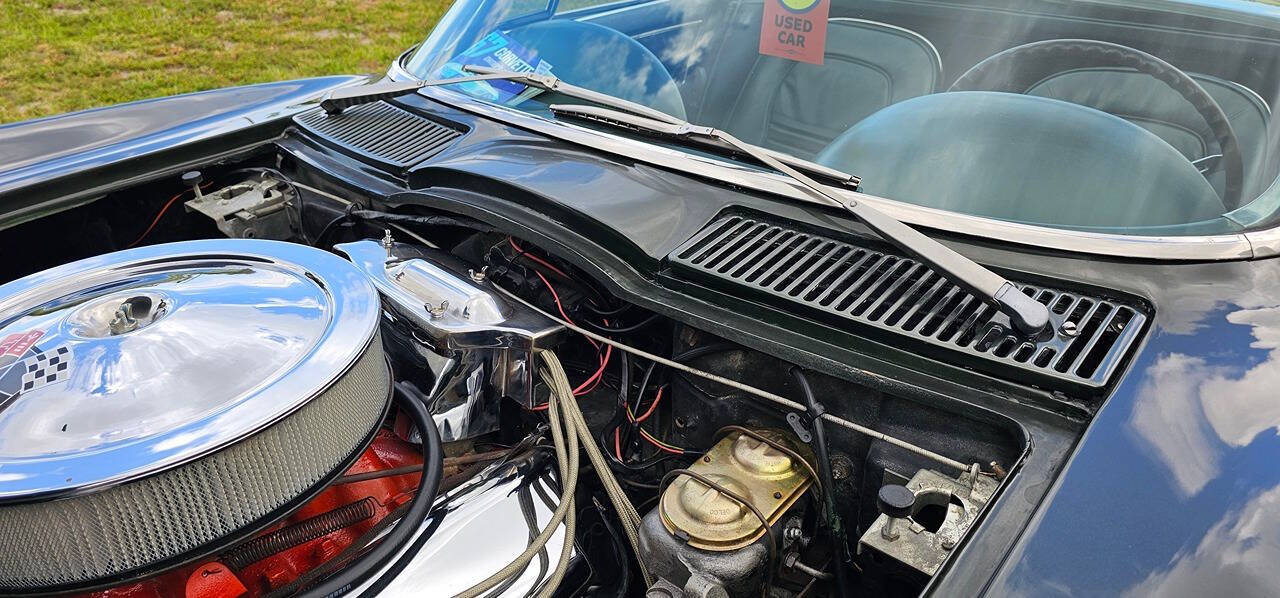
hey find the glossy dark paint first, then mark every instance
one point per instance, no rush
(1173, 486)
(48, 163)
(1175, 474)
(1175, 490)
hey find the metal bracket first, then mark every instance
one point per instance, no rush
(800, 427)
(251, 209)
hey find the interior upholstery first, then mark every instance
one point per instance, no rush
(1150, 104)
(798, 108)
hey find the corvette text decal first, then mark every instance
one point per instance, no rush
(795, 29)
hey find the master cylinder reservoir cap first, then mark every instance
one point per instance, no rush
(766, 477)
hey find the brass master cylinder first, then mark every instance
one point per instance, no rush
(770, 479)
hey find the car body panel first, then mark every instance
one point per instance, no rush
(1176, 456)
(35, 154)
(1173, 488)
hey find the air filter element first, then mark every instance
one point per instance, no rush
(160, 403)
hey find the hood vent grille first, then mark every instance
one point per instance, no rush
(840, 281)
(381, 134)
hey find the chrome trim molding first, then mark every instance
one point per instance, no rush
(1266, 243)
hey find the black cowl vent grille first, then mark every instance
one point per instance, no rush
(382, 133)
(840, 281)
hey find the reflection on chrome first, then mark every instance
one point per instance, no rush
(149, 359)
(479, 527)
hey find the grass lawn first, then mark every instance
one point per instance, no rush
(58, 56)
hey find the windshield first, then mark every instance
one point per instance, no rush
(1138, 117)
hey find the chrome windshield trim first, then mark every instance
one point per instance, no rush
(1266, 242)
(1234, 246)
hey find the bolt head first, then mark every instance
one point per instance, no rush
(890, 530)
(841, 467)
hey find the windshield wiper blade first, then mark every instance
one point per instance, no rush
(684, 130)
(340, 99)
(1027, 315)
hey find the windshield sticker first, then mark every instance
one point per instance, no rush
(498, 51)
(795, 29)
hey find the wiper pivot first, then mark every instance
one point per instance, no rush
(346, 97)
(1026, 315)
(340, 99)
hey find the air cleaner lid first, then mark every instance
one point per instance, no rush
(119, 366)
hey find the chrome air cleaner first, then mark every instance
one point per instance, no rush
(158, 403)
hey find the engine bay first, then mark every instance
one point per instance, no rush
(711, 468)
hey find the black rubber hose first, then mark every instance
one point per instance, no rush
(380, 555)
(632, 328)
(618, 418)
(606, 312)
(619, 406)
(620, 550)
(704, 350)
(842, 560)
(632, 433)
(437, 220)
(324, 231)
(624, 471)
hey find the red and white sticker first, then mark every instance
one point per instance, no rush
(795, 29)
(16, 345)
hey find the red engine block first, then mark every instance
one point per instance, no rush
(211, 579)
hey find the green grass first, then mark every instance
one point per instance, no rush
(73, 54)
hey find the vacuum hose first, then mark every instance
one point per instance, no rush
(350, 576)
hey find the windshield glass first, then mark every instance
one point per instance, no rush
(1137, 117)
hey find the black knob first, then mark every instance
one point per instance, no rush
(895, 501)
(192, 178)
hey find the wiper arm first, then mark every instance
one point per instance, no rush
(340, 99)
(1027, 315)
(688, 132)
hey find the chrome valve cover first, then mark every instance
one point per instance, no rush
(476, 345)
